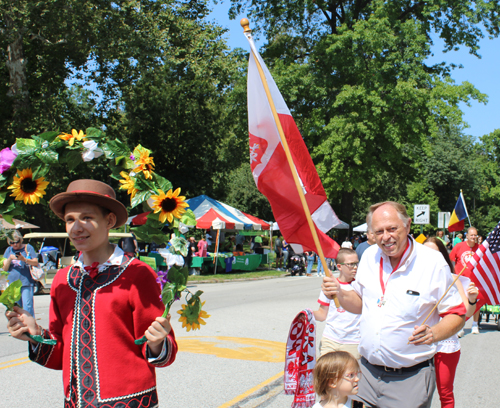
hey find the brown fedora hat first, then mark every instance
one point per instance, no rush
(90, 191)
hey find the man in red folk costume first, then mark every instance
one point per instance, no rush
(99, 306)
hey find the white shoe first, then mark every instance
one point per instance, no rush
(475, 330)
(461, 333)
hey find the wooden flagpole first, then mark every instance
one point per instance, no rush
(439, 301)
(246, 29)
(447, 290)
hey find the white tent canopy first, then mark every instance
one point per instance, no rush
(342, 225)
(361, 228)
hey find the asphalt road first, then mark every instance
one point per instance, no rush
(240, 349)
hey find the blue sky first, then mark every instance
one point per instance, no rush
(482, 73)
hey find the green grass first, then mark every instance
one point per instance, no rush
(224, 277)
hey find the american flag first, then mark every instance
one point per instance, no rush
(485, 267)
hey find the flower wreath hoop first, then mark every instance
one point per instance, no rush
(25, 166)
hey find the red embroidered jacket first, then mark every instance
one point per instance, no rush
(95, 323)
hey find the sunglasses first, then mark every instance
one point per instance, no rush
(14, 242)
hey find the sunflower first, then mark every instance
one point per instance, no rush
(128, 184)
(144, 163)
(27, 189)
(171, 205)
(70, 138)
(192, 319)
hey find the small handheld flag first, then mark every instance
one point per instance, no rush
(459, 215)
(485, 267)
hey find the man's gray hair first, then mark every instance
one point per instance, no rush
(400, 208)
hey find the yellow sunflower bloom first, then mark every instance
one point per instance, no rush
(192, 322)
(169, 205)
(70, 138)
(27, 189)
(145, 164)
(128, 184)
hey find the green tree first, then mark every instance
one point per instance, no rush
(486, 208)
(40, 43)
(183, 109)
(364, 97)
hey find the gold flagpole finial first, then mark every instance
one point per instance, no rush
(246, 25)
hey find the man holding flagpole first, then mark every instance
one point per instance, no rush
(400, 286)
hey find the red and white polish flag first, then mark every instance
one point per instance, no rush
(271, 170)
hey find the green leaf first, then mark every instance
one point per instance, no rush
(179, 244)
(11, 295)
(179, 276)
(72, 157)
(48, 156)
(3, 195)
(8, 217)
(188, 218)
(93, 133)
(140, 197)
(193, 309)
(25, 147)
(153, 220)
(118, 148)
(120, 161)
(138, 149)
(162, 183)
(148, 234)
(40, 171)
(142, 184)
(168, 293)
(49, 136)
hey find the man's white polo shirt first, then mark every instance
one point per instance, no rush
(388, 317)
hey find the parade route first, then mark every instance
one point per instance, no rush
(237, 359)
(241, 347)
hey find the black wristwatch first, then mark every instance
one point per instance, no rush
(472, 304)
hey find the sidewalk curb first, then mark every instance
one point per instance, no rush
(335, 273)
(261, 398)
(238, 280)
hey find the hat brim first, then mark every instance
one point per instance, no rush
(59, 201)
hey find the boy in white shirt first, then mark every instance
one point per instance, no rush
(342, 328)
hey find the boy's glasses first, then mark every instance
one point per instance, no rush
(352, 376)
(14, 242)
(350, 265)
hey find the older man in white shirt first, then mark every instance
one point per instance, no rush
(398, 283)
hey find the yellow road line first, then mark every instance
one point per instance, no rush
(25, 361)
(251, 391)
(12, 361)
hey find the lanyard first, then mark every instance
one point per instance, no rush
(382, 284)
